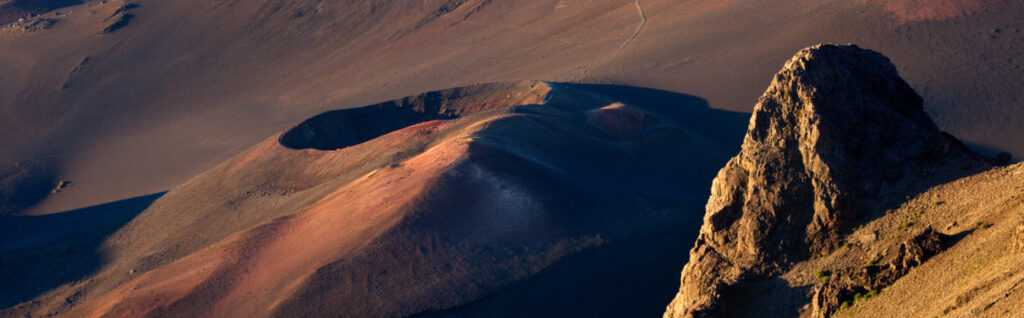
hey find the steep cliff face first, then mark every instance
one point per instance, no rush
(837, 137)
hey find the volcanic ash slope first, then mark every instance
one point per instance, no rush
(489, 200)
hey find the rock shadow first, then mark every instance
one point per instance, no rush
(348, 127)
(22, 185)
(17, 9)
(723, 126)
(40, 253)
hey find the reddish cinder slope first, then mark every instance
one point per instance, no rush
(252, 272)
(516, 192)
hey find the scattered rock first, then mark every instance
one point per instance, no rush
(61, 185)
(78, 68)
(120, 17)
(847, 284)
(867, 238)
(121, 22)
(121, 10)
(34, 25)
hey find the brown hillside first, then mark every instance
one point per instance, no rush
(493, 210)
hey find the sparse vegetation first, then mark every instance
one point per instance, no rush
(919, 212)
(822, 275)
(940, 202)
(865, 296)
(908, 224)
(983, 225)
(859, 297)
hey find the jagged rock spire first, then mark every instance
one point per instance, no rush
(833, 134)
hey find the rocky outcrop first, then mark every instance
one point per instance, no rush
(836, 132)
(850, 284)
(120, 18)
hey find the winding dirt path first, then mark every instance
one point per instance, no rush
(639, 28)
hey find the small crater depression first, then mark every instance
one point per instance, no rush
(347, 127)
(342, 128)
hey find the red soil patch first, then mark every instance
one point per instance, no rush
(265, 264)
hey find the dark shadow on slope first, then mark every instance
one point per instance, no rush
(41, 4)
(765, 297)
(577, 182)
(635, 278)
(633, 273)
(40, 253)
(726, 127)
(995, 155)
(13, 10)
(22, 185)
(121, 22)
(347, 127)
(452, 246)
